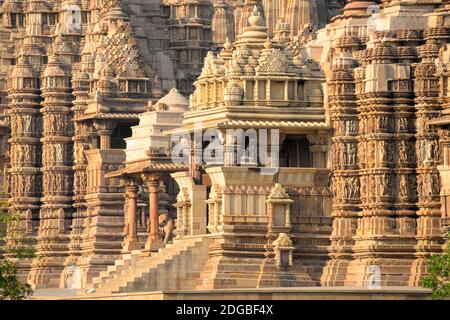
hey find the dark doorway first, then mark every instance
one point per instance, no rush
(295, 153)
(121, 132)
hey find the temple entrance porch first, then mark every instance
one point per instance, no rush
(248, 214)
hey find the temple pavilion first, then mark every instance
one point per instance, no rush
(237, 224)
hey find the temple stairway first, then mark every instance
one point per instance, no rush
(174, 267)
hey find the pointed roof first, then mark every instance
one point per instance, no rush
(257, 29)
(54, 68)
(116, 13)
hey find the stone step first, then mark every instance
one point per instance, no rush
(175, 266)
(137, 273)
(171, 273)
(125, 260)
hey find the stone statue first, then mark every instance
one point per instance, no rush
(403, 187)
(351, 150)
(383, 186)
(382, 149)
(403, 151)
(59, 153)
(27, 123)
(167, 224)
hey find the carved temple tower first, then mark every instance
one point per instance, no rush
(56, 208)
(429, 152)
(222, 23)
(342, 107)
(378, 76)
(439, 31)
(190, 37)
(24, 176)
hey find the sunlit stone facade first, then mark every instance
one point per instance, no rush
(353, 98)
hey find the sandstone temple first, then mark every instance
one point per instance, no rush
(349, 99)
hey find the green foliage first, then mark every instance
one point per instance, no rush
(439, 275)
(10, 287)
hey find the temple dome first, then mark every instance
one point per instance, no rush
(358, 7)
(116, 13)
(175, 101)
(23, 68)
(149, 135)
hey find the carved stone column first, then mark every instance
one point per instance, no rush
(386, 216)
(154, 241)
(105, 130)
(131, 238)
(103, 232)
(215, 206)
(319, 148)
(80, 92)
(179, 222)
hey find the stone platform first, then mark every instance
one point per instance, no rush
(301, 293)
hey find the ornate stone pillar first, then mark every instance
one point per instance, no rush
(192, 198)
(154, 241)
(105, 130)
(215, 206)
(319, 148)
(80, 85)
(131, 238)
(195, 159)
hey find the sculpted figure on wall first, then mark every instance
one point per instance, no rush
(351, 151)
(403, 187)
(402, 152)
